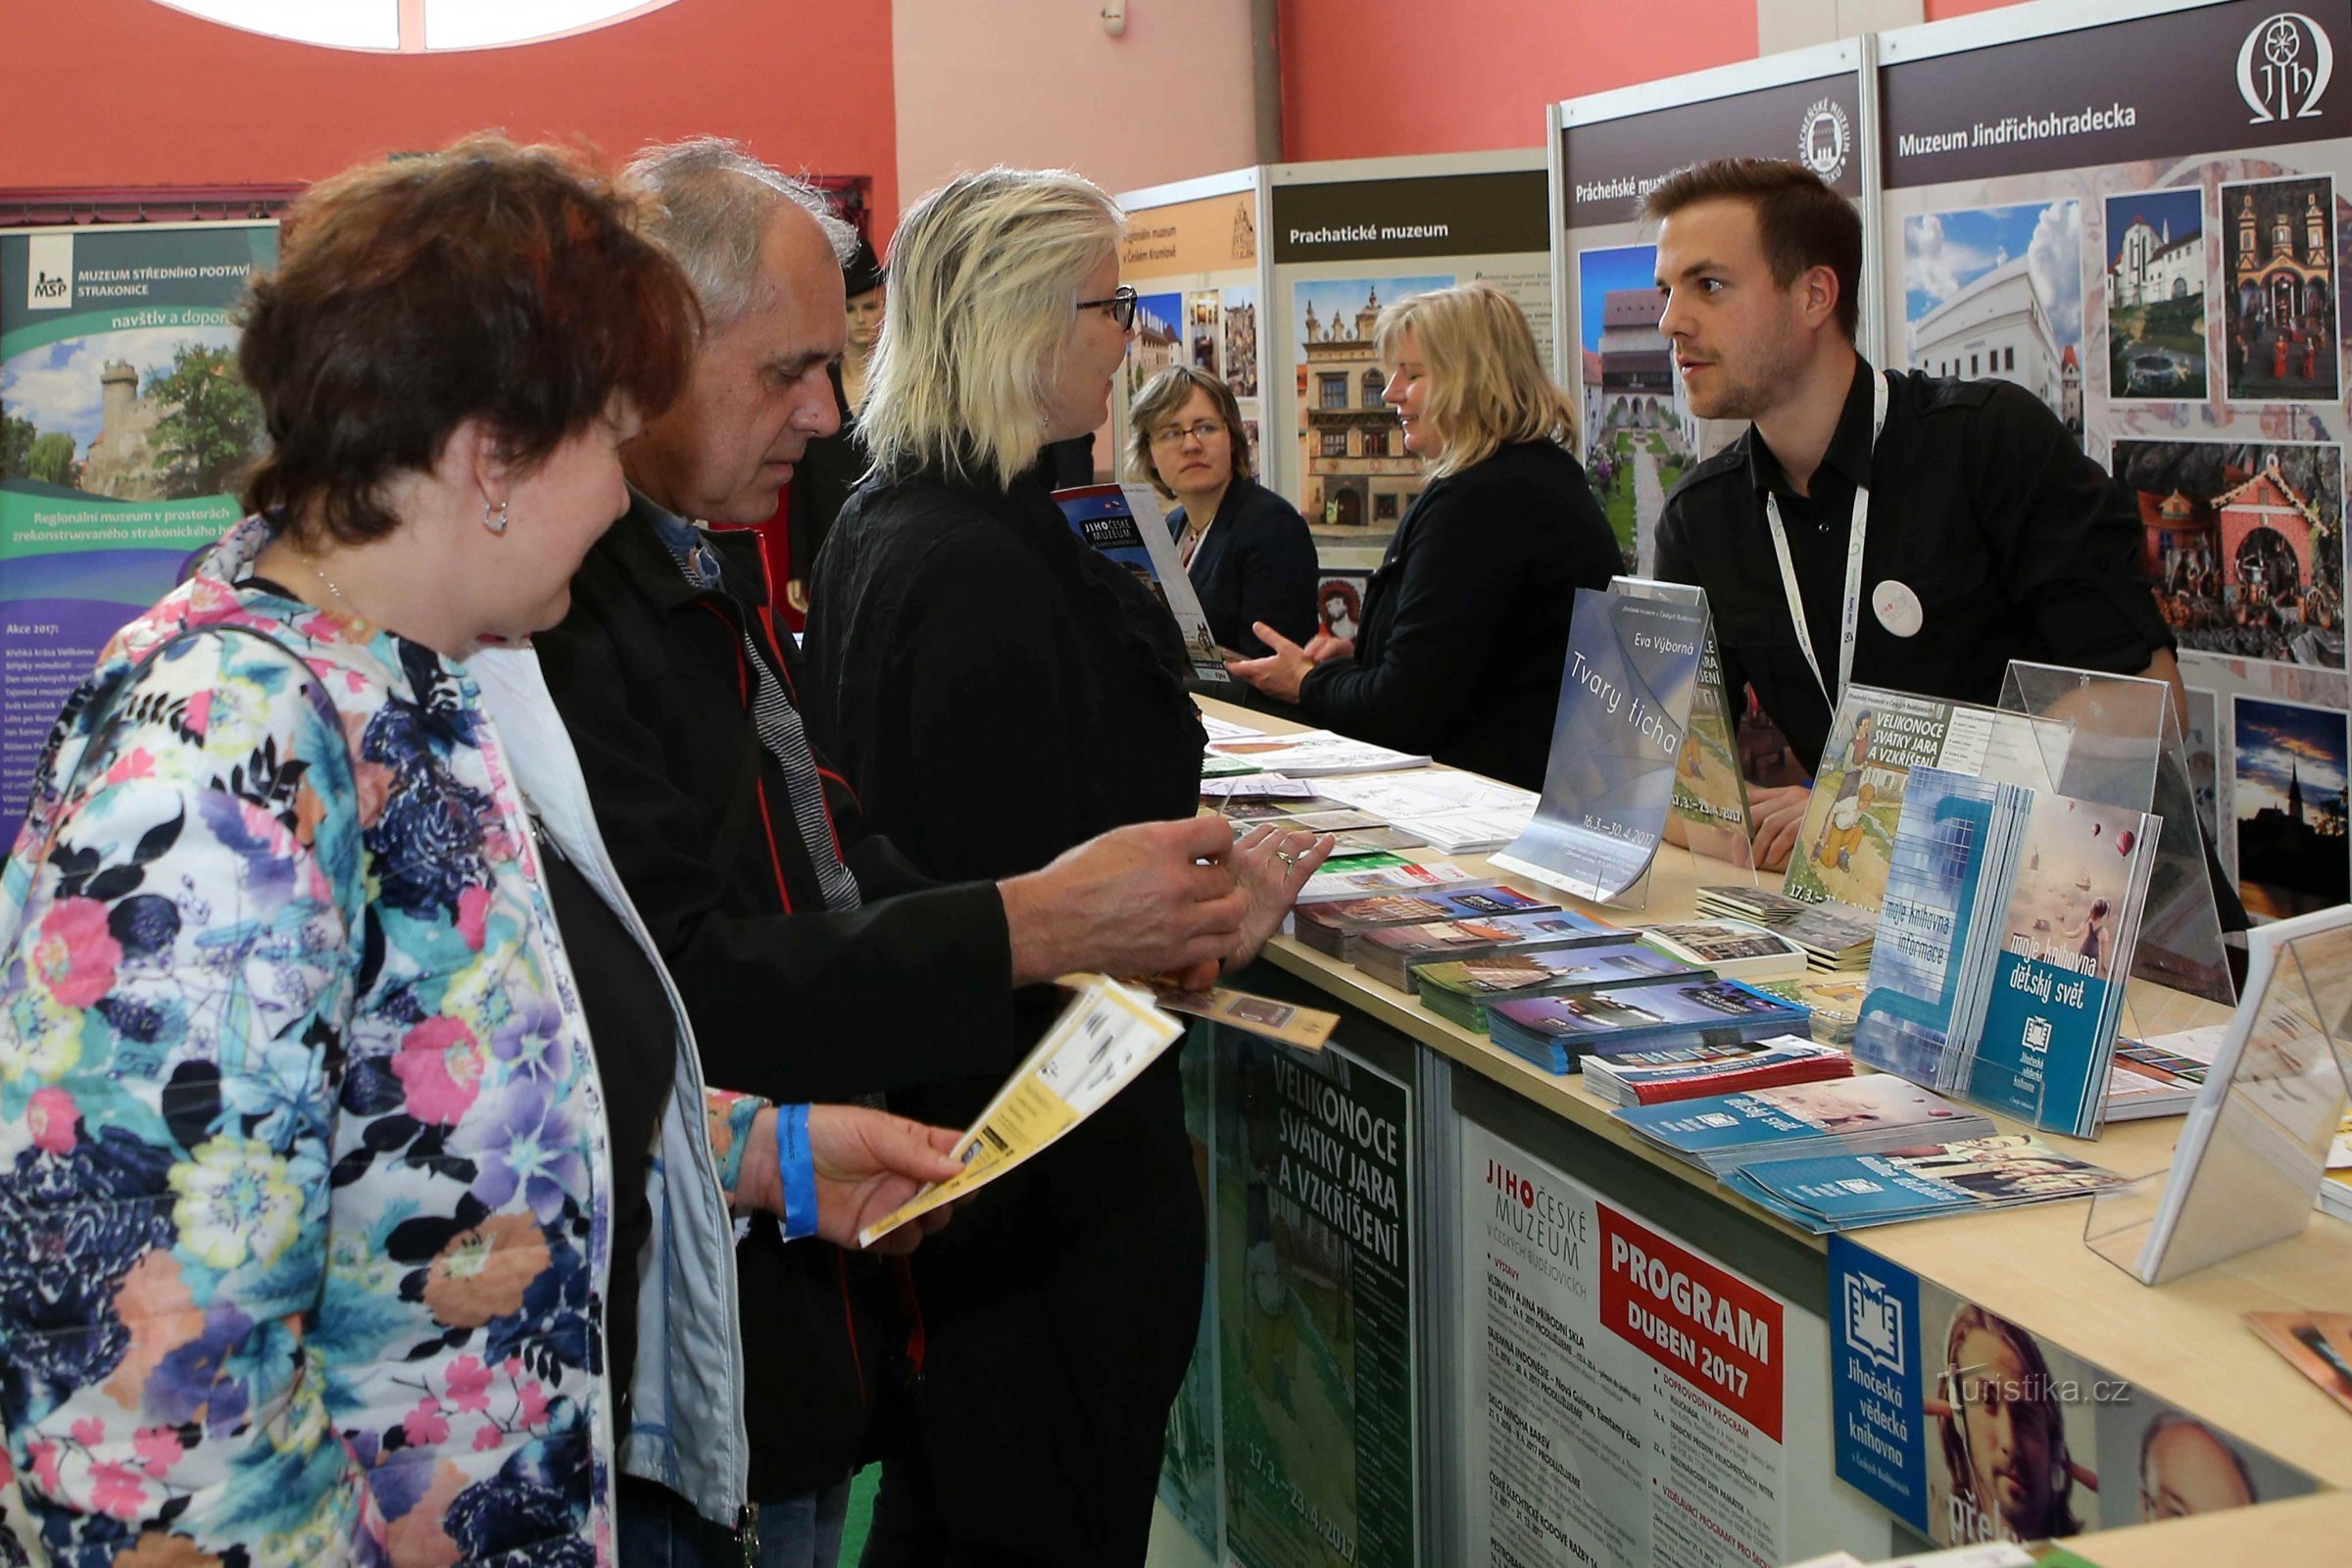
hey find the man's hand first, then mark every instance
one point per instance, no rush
(1323, 647)
(1779, 814)
(1272, 863)
(1281, 673)
(1134, 900)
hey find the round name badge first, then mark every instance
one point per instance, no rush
(1897, 607)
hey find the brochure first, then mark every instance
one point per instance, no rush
(2161, 1076)
(2318, 1344)
(1848, 1117)
(1728, 948)
(1845, 848)
(1835, 937)
(1331, 927)
(1428, 791)
(1461, 991)
(1301, 1028)
(1691, 1072)
(1312, 754)
(1388, 954)
(1125, 524)
(1356, 880)
(1625, 705)
(1848, 1192)
(1554, 1031)
(1107, 1034)
(1836, 1002)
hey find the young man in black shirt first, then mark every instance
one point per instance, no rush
(1934, 529)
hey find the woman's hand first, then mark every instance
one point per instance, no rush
(1272, 862)
(1281, 673)
(1323, 647)
(1779, 816)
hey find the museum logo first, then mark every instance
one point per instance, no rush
(2283, 67)
(48, 272)
(1826, 140)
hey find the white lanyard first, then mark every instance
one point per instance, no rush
(1851, 615)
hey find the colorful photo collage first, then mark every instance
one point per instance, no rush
(1210, 329)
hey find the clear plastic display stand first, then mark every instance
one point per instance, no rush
(1710, 788)
(2253, 1149)
(2123, 746)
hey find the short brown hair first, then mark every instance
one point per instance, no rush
(1161, 396)
(1800, 222)
(488, 281)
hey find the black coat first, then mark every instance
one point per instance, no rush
(784, 997)
(1256, 562)
(1000, 693)
(1465, 626)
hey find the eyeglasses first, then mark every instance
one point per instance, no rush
(1201, 430)
(1122, 306)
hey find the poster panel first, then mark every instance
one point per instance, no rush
(1347, 239)
(1315, 1331)
(1628, 1399)
(1188, 1467)
(1637, 433)
(1969, 1428)
(1192, 255)
(2141, 221)
(122, 425)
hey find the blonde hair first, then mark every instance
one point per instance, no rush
(1161, 396)
(1486, 384)
(983, 276)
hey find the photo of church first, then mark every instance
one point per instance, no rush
(2154, 290)
(2289, 763)
(2280, 239)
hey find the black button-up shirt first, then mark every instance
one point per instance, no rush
(2017, 545)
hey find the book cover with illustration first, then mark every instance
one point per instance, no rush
(1847, 1115)
(1554, 1031)
(2066, 944)
(1125, 525)
(1462, 990)
(1851, 1191)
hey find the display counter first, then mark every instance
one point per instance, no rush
(2183, 1344)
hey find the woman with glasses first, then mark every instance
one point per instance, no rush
(997, 693)
(1245, 549)
(1466, 624)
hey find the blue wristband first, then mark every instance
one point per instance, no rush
(796, 1166)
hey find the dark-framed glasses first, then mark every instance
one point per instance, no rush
(1201, 430)
(1122, 306)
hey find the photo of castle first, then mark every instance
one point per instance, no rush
(2154, 290)
(1996, 293)
(149, 415)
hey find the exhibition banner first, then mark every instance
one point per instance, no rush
(1187, 1467)
(2141, 221)
(1192, 252)
(1315, 1323)
(123, 427)
(1349, 239)
(1637, 435)
(1969, 1429)
(1628, 1399)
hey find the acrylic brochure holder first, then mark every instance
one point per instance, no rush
(2253, 1149)
(1626, 697)
(1710, 790)
(2123, 746)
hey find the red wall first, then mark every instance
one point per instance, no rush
(1364, 80)
(129, 93)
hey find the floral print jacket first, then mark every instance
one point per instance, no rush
(304, 1185)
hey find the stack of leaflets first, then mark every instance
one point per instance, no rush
(1691, 1072)
(1331, 927)
(1388, 953)
(1365, 875)
(1922, 1181)
(2161, 1077)
(2007, 933)
(1554, 1031)
(1460, 991)
(1728, 948)
(1845, 1116)
(1312, 754)
(1835, 999)
(1835, 937)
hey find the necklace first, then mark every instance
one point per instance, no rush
(312, 566)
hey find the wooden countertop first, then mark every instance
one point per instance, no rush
(2181, 1342)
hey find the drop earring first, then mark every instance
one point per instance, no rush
(494, 519)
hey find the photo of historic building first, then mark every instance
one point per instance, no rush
(2289, 763)
(1639, 434)
(1996, 293)
(1241, 340)
(1158, 344)
(2280, 235)
(2154, 290)
(1354, 469)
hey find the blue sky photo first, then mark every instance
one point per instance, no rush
(1945, 252)
(2184, 210)
(1599, 273)
(1346, 296)
(2282, 741)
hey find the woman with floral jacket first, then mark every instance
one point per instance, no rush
(305, 1175)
